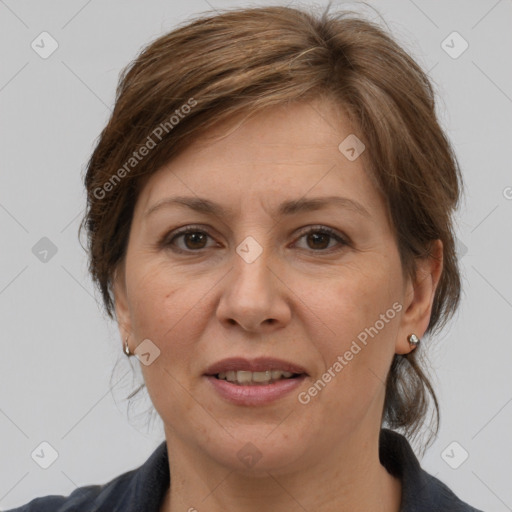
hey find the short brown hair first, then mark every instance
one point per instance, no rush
(247, 60)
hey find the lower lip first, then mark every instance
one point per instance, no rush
(255, 394)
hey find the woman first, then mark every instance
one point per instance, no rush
(269, 225)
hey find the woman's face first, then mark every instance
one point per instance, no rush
(255, 280)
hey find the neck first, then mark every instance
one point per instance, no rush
(350, 478)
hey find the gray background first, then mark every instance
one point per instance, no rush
(58, 352)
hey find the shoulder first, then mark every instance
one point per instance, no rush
(439, 496)
(421, 492)
(85, 499)
(138, 489)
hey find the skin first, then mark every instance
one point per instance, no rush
(304, 299)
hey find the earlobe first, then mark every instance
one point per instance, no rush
(419, 298)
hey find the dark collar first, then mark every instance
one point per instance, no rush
(421, 491)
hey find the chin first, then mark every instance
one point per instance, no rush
(254, 454)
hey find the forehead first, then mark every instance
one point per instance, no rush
(283, 153)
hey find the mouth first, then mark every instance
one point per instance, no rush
(254, 382)
(246, 378)
(255, 371)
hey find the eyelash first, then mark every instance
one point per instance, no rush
(168, 242)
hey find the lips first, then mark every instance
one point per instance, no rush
(254, 365)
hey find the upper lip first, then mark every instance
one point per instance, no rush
(254, 365)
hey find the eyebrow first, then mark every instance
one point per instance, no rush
(286, 208)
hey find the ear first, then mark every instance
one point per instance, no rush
(419, 297)
(121, 302)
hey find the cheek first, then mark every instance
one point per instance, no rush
(355, 301)
(359, 322)
(164, 308)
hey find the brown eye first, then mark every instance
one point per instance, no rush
(319, 238)
(193, 240)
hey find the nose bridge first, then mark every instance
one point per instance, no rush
(251, 272)
(252, 296)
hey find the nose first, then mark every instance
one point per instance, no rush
(254, 296)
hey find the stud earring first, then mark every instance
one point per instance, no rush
(413, 340)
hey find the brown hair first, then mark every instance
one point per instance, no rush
(247, 60)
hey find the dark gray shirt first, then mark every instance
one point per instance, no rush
(143, 489)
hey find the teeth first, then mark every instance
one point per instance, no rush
(261, 376)
(245, 377)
